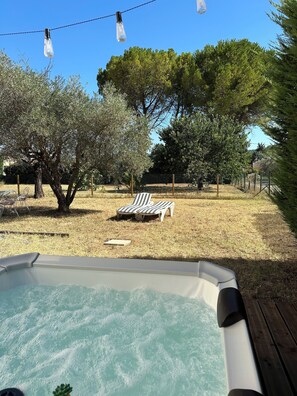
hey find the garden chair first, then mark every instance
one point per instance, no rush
(140, 200)
(160, 208)
(10, 204)
(22, 198)
(4, 194)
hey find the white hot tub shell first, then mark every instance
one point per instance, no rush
(216, 285)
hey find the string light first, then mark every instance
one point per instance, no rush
(121, 34)
(201, 6)
(120, 31)
(48, 46)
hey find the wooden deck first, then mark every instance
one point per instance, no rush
(273, 328)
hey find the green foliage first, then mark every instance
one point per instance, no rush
(230, 78)
(188, 86)
(144, 76)
(126, 178)
(283, 129)
(54, 123)
(236, 79)
(263, 159)
(259, 153)
(25, 172)
(159, 159)
(62, 390)
(204, 146)
(86, 182)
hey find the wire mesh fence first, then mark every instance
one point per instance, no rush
(255, 183)
(171, 185)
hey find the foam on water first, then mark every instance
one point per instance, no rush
(108, 342)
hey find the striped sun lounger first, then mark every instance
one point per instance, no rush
(158, 208)
(141, 200)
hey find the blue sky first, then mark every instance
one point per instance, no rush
(163, 24)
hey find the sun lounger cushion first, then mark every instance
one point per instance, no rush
(158, 208)
(140, 200)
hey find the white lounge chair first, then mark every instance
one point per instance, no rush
(159, 208)
(141, 200)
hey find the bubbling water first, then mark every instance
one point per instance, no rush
(106, 342)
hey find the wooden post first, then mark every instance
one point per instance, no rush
(218, 184)
(18, 184)
(173, 181)
(261, 182)
(92, 186)
(132, 186)
(244, 182)
(269, 184)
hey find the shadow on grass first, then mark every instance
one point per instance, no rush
(46, 211)
(267, 225)
(131, 217)
(265, 279)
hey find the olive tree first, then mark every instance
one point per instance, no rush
(57, 125)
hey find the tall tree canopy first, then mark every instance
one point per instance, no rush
(56, 124)
(145, 76)
(188, 86)
(235, 79)
(227, 79)
(284, 112)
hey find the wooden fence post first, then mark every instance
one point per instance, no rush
(92, 186)
(261, 182)
(269, 184)
(173, 181)
(132, 185)
(218, 183)
(18, 184)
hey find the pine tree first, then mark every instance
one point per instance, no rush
(284, 129)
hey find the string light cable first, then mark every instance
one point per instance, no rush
(120, 30)
(78, 23)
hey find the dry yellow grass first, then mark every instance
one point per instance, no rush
(245, 234)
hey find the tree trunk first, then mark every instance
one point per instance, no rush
(38, 192)
(55, 183)
(63, 206)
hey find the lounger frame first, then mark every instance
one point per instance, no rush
(159, 208)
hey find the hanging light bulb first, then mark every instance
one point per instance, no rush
(201, 6)
(48, 46)
(121, 35)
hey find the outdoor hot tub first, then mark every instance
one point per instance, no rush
(214, 285)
